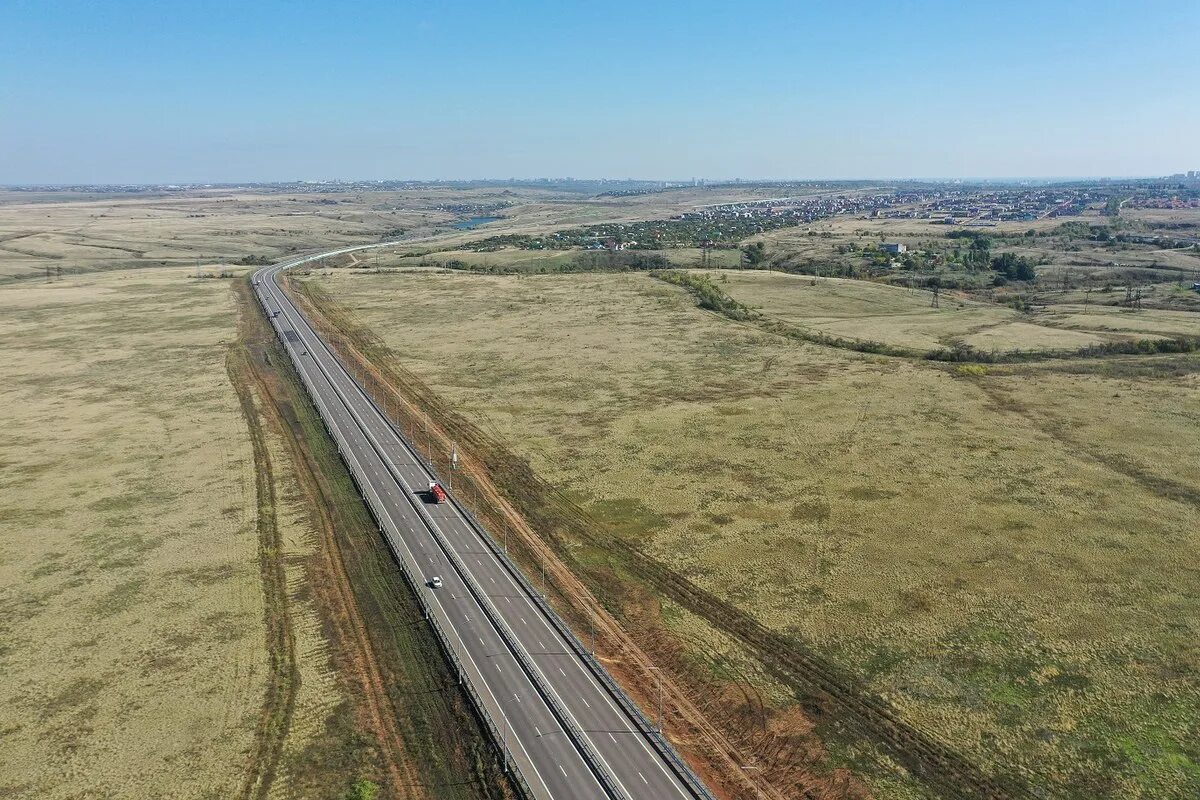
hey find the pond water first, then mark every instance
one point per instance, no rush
(473, 222)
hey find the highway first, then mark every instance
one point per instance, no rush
(564, 727)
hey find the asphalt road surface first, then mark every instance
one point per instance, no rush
(567, 733)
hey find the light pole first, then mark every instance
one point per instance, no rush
(504, 745)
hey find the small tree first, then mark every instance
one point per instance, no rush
(754, 254)
(363, 789)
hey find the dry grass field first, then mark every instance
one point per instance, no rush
(132, 649)
(61, 233)
(1002, 554)
(1110, 319)
(902, 317)
(173, 618)
(46, 234)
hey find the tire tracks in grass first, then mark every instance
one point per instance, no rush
(828, 693)
(282, 672)
(1158, 485)
(330, 584)
(411, 728)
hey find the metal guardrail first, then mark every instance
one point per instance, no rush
(595, 762)
(607, 780)
(510, 765)
(649, 730)
(645, 727)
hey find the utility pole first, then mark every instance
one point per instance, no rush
(658, 674)
(757, 784)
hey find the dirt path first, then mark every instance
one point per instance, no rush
(280, 698)
(354, 655)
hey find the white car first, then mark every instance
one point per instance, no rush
(436, 582)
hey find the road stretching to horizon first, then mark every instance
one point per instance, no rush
(564, 726)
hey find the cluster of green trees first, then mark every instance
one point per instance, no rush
(254, 261)
(588, 261)
(719, 231)
(977, 256)
(1083, 230)
(708, 294)
(754, 255)
(1012, 267)
(618, 260)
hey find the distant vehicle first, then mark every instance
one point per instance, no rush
(436, 493)
(274, 314)
(436, 582)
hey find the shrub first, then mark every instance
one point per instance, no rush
(363, 789)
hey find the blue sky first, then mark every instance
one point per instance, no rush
(223, 91)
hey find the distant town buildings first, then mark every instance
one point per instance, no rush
(1191, 177)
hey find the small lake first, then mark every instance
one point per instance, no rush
(474, 222)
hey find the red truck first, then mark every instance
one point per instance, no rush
(436, 493)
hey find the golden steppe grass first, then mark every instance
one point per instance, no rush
(197, 229)
(1000, 555)
(1145, 323)
(53, 232)
(133, 658)
(898, 316)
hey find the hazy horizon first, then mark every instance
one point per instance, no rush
(702, 180)
(214, 92)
